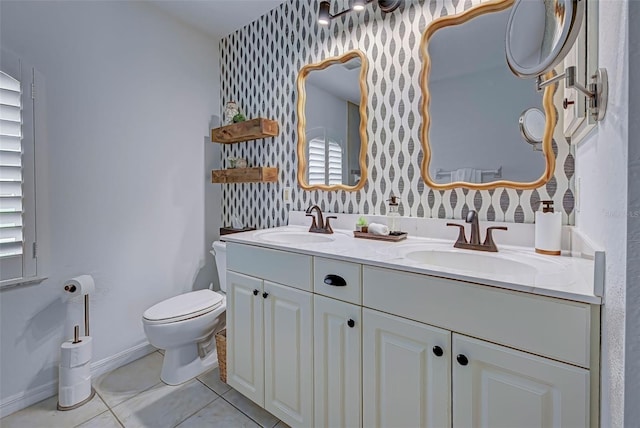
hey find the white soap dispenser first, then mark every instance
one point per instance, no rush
(393, 215)
(548, 235)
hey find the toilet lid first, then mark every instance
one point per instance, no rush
(184, 305)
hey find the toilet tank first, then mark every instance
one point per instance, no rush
(220, 253)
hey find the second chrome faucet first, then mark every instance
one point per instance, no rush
(474, 240)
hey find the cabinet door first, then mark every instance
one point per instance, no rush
(288, 357)
(245, 345)
(502, 387)
(406, 379)
(337, 363)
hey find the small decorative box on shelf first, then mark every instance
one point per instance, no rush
(245, 175)
(245, 131)
(392, 237)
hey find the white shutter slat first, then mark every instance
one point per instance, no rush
(10, 128)
(10, 159)
(11, 234)
(8, 249)
(10, 97)
(9, 83)
(10, 113)
(10, 144)
(11, 219)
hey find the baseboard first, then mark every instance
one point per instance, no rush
(120, 359)
(34, 395)
(25, 399)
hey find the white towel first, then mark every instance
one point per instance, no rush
(378, 229)
(469, 175)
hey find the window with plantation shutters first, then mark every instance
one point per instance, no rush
(17, 172)
(10, 166)
(324, 161)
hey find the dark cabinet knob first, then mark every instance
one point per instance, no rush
(462, 360)
(255, 292)
(351, 323)
(437, 351)
(335, 280)
(265, 295)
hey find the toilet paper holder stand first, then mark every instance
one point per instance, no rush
(72, 289)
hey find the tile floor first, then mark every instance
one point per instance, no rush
(133, 396)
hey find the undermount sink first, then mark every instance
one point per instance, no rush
(479, 263)
(502, 264)
(293, 237)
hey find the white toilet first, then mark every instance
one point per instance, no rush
(184, 326)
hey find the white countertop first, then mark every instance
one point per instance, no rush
(563, 277)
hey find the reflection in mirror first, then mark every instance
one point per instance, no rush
(472, 104)
(532, 123)
(332, 119)
(539, 34)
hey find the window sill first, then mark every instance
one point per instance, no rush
(9, 283)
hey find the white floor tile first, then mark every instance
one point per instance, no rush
(212, 380)
(248, 407)
(127, 381)
(103, 420)
(164, 405)
(45, 414)
(219, 414)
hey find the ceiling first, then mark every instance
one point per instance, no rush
(216, 17)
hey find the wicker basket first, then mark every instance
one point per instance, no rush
(221, 346)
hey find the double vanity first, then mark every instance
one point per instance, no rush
(329, 330)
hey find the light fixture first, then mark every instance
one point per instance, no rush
(358, 5)
(324, 14)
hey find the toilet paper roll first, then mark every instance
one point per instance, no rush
(548, 235)
(79, 286)
(76, 354)
(74, 385)
(74, 375)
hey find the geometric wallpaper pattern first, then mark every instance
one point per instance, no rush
(259, 66)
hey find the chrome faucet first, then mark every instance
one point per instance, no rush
(320, 226)
(474, 241)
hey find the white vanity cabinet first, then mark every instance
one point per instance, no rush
(337, 330)
(495, 386)
(329, 343)
(406, 372)
(270, 332)
(490, 383)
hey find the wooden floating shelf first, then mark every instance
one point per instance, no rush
(245, 131)
(245, 175)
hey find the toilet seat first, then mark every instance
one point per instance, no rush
(184, 306)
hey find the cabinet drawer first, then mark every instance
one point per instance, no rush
(555, 328)
(281, 267)
(340, 280)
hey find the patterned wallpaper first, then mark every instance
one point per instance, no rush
(259, 67)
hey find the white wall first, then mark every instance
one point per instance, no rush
(632, 314)
(601, 165)
(129, 97)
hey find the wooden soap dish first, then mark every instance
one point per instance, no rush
(395, 237)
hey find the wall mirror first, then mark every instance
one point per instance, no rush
(472, 103)
(332, 123)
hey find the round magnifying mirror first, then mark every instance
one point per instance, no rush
(532, 122)
(540, 33)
